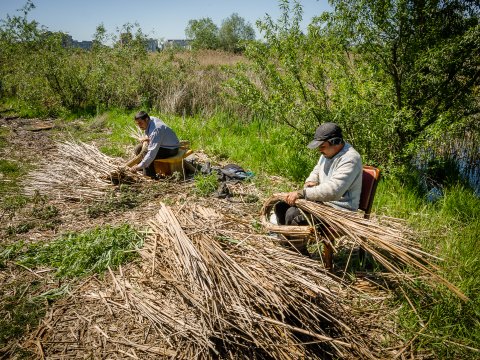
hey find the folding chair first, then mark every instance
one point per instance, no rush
(370, 178)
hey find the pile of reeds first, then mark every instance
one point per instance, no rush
(210, 287)
(388, 243)
(78, 171)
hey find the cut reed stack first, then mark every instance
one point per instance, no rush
(78, 171)
(221, 290)
(212, 287)
(387, 242)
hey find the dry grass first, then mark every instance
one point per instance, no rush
(209, 287)
(211, 57)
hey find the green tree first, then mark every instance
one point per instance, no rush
(388, 74)
(131, 37)
(203, 33)
(430, 52)
(233, 32)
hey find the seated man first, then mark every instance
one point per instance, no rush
(335, 180)
(162, 142)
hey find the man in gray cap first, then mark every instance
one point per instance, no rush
(335, 180)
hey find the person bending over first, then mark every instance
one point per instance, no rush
(162, 142)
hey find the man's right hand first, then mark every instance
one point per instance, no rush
(292, 197)
(310, 184)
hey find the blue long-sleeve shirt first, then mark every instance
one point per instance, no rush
(159, 135)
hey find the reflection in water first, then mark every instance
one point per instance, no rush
(449, 161)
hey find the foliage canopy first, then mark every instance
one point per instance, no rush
(392, 73)
(231, 35)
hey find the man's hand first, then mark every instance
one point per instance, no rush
(145, 139)
(292, 197)
(310, 184)
(134, 168)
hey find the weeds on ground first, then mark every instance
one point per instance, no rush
(123, 199)
(19, 311)
(11, 199)
(79, 254)
(206, 184)
(42, 215)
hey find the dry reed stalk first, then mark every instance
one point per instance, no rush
(245, 294)
(218, 289)
(78, 171)
(387, 243)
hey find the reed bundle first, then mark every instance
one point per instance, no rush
(78, 171)
(210, 287)
(386, 242)
(234, 293)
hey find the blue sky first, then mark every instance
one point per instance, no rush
(165, 19)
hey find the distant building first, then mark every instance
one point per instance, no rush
(177, 43)
(152, 45)
(67, 41)
(86, 45)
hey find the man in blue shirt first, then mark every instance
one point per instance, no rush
(162, 142)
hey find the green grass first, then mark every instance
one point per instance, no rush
(258, 146)
(449, 228)
(79, 254)
(206, 184)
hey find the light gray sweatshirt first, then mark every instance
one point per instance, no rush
(339, 179)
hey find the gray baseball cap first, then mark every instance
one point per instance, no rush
(325, 132)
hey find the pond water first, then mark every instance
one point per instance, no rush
(442, 163)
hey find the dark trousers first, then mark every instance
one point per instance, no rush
(162, 153)
(289, 215)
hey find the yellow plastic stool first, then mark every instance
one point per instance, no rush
(166, 167)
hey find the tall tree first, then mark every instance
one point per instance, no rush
(234, 31)
(430, 51)
(203, 33)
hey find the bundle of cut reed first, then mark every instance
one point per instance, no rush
(78, 171)
(218, 289)
(387, 243)
(210, 286)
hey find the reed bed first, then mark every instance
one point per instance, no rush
(78, 171)
(209, 286)
(388, 243)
